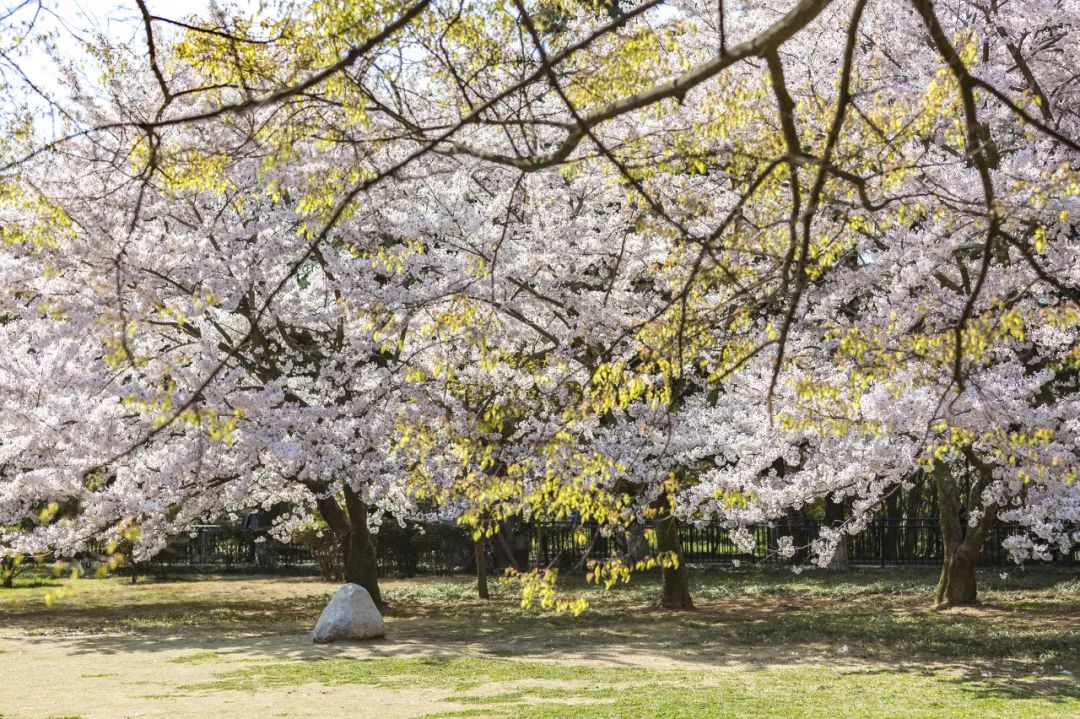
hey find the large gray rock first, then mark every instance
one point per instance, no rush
(350, 615)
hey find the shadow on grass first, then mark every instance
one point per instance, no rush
(547, 684)
(748, 618)
(1002, 681)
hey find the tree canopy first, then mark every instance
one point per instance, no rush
(479, 260)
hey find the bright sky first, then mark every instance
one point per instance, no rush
(74, 23)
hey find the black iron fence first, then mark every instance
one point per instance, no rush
(886, 541)
(448, 549)
(405, 552)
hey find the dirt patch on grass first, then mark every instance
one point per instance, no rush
(60, 677)
(111, 649)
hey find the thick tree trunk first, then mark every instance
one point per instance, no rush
(676, 579)
(361, 566)
(480, 555)
(957, 585)
(358, 549)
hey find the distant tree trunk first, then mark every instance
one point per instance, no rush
(834, 517)
(957, 585)
(891, 531)
(7, 572)
(634, 546)
(912, 509)
(358, 549)
(480, 555)
(677, 579)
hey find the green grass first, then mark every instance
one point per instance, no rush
(761, 643)
(197, 658)
(113, 605)
(534, 689)
(878, 614)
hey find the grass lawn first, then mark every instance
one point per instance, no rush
(762, 643)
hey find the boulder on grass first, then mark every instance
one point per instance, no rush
(350, 615)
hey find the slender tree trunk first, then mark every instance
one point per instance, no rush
(834, 517)
(9, 567)
(891, 533)
(480, 555)
(635, 546)
(912, 503)
(676, 579)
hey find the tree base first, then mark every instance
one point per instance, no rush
(957, 585)
(677, 606)
(948, 604)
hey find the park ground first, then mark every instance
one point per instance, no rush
(762, 643)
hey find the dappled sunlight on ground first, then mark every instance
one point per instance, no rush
(215, 646)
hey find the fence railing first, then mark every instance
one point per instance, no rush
(886, 541)
(447, 549)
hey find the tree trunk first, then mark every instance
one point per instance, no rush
(361, 566)
(834, 517)
(957, 585)
(480, 555)
(635, 546)
(676, 579)
(8, 570)
(358, 549)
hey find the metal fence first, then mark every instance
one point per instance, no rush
(887, 541)
(447, 549)
(438, 549)
(224, 548)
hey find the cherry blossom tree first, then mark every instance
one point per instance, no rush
(660, 261)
